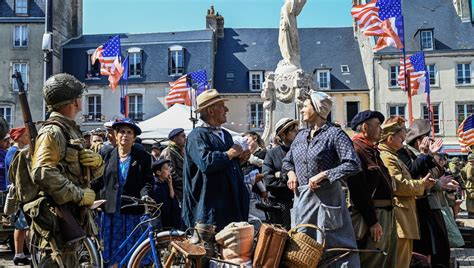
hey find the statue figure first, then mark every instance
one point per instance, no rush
(288, 36)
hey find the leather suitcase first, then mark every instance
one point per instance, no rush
(270, 245)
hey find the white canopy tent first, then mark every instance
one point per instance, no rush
(160, 125)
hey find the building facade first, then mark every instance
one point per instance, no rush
(155, 59)
(332, 55)
(22, 25)
(448, 45)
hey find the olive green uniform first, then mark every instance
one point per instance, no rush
(58, 173)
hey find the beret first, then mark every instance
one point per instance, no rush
(365, 115)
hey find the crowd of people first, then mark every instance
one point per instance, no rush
(388, 187)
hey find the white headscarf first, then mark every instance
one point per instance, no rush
(322, 103)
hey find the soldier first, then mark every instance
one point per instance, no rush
(61, 169)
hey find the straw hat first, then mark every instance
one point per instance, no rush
(208, 98)
(284, 124)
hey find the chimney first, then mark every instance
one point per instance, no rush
(215, 22)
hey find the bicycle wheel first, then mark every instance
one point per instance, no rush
(143, 257)
(87, 253)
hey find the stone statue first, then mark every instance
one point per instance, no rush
(288, 36)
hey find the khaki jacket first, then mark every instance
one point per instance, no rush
(405, 192)
(55, 163)
(467, 174)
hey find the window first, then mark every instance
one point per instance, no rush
(93, 70)
(230, 76)
(176, 60)
(20, 36)
(6, 112)
(256, 116)
(426, 40)
(345, 69)
(463, 73)
(394, 70)
(433, 71)
(256, 80)
(464, 110)
(135, 62)
(396, 110)
(352, 108)
(323, 79)
(426, 115)
(23, 69)
(135, 107)
(21, 7)
(94, 108)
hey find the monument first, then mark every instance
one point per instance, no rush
(284, 90)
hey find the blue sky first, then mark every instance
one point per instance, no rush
(139, 16)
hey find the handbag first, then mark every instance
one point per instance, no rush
(270, 246)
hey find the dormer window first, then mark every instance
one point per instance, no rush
(345, 69)
(426, 39)
(21, 7)
(135, 66)
(176, 60)
(93, 68)
(324, 78)
(256, 80)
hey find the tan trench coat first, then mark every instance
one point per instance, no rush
(405, 192)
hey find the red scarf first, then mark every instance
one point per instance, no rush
(361, 137)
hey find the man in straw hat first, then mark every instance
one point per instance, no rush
(214, 190)
(406, 189)
(276, 180)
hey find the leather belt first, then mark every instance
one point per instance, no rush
(383, 203)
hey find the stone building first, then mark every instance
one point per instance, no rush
(155, 59)
(22, 25)
(444, 31)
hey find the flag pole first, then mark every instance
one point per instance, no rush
(406, 75)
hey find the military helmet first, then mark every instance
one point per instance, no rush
(60, 89)
(4, 128)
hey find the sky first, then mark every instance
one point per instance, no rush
(145, 16)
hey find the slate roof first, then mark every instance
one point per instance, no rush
(449, 31)
(36, 8)
(244, 50)
(198, 47)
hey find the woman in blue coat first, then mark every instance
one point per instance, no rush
(319, 158)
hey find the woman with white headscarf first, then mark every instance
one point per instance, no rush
(319, 158)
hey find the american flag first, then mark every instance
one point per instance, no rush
(466, 134)
(382, 18)
(109, 57)
(179, 92)
(416, 65)
(182, 91)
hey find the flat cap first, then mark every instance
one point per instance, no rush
(364, 116)
(158, 163)
(175, 132)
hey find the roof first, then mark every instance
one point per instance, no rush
(244, 50)
(449, 31)
(142, 38)
(35, 8)
(198, 47)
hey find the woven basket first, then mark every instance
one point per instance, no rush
(301, 250)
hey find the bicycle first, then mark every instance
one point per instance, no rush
(150, 250)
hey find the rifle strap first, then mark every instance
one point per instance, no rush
(56, 254)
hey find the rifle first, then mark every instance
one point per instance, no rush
(70, 228)
(25, 110)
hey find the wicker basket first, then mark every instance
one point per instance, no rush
(301, 250)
